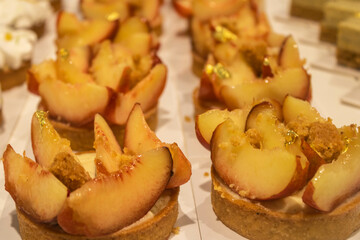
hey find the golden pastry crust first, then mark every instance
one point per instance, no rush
(256, 222)
(158, 227)
(13, 78)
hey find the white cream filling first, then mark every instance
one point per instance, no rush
(16, 46)
(24, 13)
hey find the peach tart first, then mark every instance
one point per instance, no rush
(234, 79)
(238, 24)
(111, 193)
(106, 78)
(283, 171)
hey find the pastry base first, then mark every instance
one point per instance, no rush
(256, 222)
(13, 78)
(305, 12)
(82, 138)
(348, 58)
(158, 227)
(328, 34)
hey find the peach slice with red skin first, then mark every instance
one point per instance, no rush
(39, 73)
(112, 65)
(265, 105)
(335, 181)
(83, 33)
(108, 152)
(108, 203)
(206, 123)
(134, 33)
(146, 93)
(289, 56)
(292, 81)
(62, 100)
(71, 66)
(46, 142)
(35, 190)
(139, 138)
(292, 106)
(110, 9)
(269, 172)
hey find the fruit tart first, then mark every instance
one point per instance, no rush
(112, 193)
(243, 24)
(283, 172)
(16, 48)
(121, 10)
(107, 79)
(234, 79)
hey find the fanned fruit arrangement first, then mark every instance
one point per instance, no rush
(111, 193)
(105, 63)
(282, 170)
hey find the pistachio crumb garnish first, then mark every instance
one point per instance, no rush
(218, 69)
(113, 16)
(223, 34)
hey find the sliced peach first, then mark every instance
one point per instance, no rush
(67, 23)
(35, 190)
(333, 182)
(293, 81)
(109, 203)
(79, 57)
(315, 161)
(110, 10)
(40, 72)
(139, 138)
(46, 142)
(268, 172)
(289, 56)
(112, 65)
(134, 33)
(294, 107)
(88, 32)
(146, 93)
(75, 103)
(108, 152)
(206, 123)
(264, 105)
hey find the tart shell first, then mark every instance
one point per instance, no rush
(158, 227)
(254, 221)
